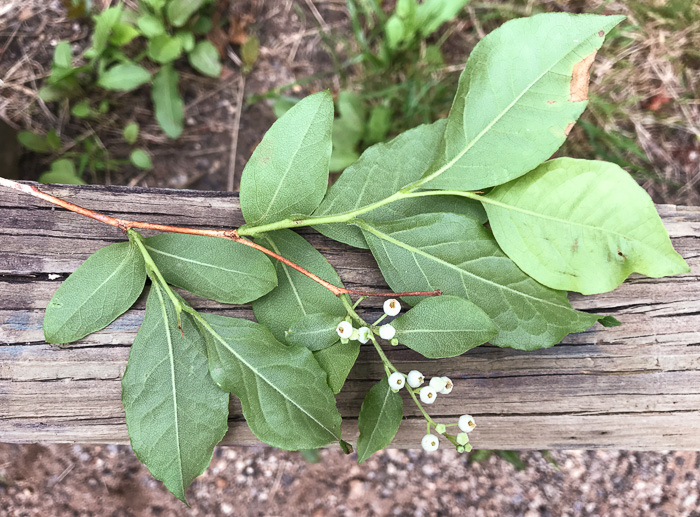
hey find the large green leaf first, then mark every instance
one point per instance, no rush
(458, 255)
(314, 331)
(523, 87)
(285, 398)
(288, 171)
(582, 226)
(170, 109)
(296, 295)
(175, 413)
(100, 290)
(124, 77)
(444, 326)
(219, 269)
(380, 418)
(337, 360)
(179, 11)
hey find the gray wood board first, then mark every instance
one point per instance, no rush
(636, 386)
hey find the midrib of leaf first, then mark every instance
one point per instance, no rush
(260, 376)
(417, 251)
(183, 259)
(374, 429)
(85, 301)
(500, 115)
(171, 357)
(438, 331)
(289, 277)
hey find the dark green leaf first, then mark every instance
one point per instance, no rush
(380, 418)
(296, 295)
(170, 109)
(219, 269)
(314, 331)
(99, 291)
(34, 142)
(124, 77)
(283, 104)
(337, 361)
(443, 326)
(175, 413)
(205, 59)
(288, 171)
(285, 398)
(378, 125)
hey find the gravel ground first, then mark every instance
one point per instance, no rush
(109, 481)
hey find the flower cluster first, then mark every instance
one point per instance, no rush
(466, 424)
(347, 333)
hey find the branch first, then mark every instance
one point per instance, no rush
(125, 224)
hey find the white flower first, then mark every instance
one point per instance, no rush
(387, 332)
(437, 383)
(462, 438)
(396, 381)
(430, 443)
(344, 329)
(415, 378)
(392, 307)
(448, 386)
(466, 423)
(427, 395)
(364, 334)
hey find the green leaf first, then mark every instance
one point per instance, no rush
(219, 269)
(443, 326)
(99, 291)
(348, 130)
(523, 86)
(150, 25)
(314, 331)
(458, 255)
(164, 48)
(381, 171)
(296, 295)
(63, 172)
(380, 418)
(34, 142)
(124, 77)
(378, 125)
(104, 23)
(82, 109)
(283, 391)
(581, 226)
(395, 31)
(141, 159)
(431, 14)
(337, 361)
(179, 11)
(123, 34)
(52, 93)
(170, 109)
(283, 104)
(202, 25)
(131, 132)
(63, 55)
(175, 413)
(250, 50)
(187, 40)
(205, 59)
(53, 140)
(288, 171)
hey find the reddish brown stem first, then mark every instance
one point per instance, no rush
(232, 234)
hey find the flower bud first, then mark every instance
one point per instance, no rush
(463, 438)
(448, 386)
(466, 423)
(396, 381)
(415, 378)
(363, 333)
(387, 332)
(437, 383)
(344, 329)
(430, 442)
(428, 395)
(392, 307)
(440, 428)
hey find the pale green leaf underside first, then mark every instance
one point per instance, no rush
(444, 326)
(379, 420)
(380, 172)
(219, 269)
(514, 101)
(175, 413)
(283, 391)
(296, 295)
(581, 226)
(337, 361)
(458, 255)
(288, 171)
(100, 290)
(314, 331)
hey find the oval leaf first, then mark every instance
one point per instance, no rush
(337, 361)
(170, 110)
(219, 269)
(179, 11)
(141, 159)
(520, 92)
(205, 59)
(314, 331)
(443, 326)
(284, 395)
(379, 420)
(164, 48)
(458, 255)
(99, 291)
(581, 226)
(124, 77)
(288, 171)
(175, 413)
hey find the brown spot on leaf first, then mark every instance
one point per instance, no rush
(580, 78)
(621, 255)
(551, 102)
(569, 128)
(574, 248)
(601, 33)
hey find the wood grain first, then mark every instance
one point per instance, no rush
(636, 386)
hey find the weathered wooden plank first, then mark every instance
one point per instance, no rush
(636, 386)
